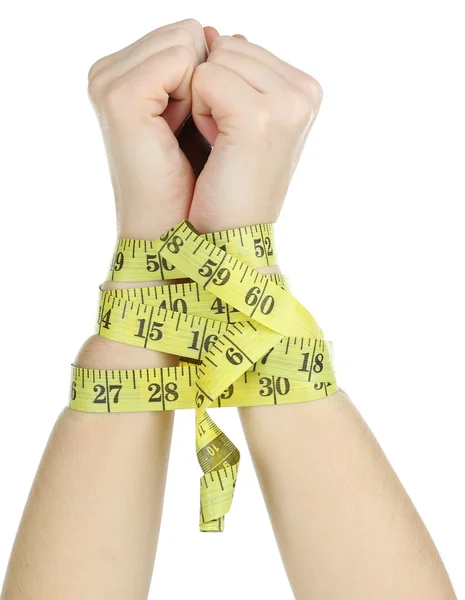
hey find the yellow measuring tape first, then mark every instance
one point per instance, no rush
(242, 338)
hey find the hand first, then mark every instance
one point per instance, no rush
(256, 110)
(142, 98)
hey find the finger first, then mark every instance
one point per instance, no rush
(218, 94)
(261, 77)
(151, 46)
(163, 75)
(239, 36)
(188, 32)
(288, 72)
(210, 35)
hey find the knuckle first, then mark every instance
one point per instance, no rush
(193, 24)
(318, 91)
(113, 95)
(94, 88)
(263, 116)
(182, 36)
(182, 54)
(313, 89)
(199, 74)
(300, 108)
(96, 67)
(217, 54)
(223, 41)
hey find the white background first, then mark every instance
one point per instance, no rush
(378, 258)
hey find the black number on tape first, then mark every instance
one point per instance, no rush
(199, 399)
(322, 384)
(153, 265)
(156, 389)
(317, 365)
(210, 339)
(119, 261)
(235, 358)
(222, 277)
(180, 302)
(166, 235)
(207, 269)
(170, 392)
(265, 357)
(195, 340)
(281, 386)
(100, 398)
(269, 249)
(155, 333)
(73, 391)
(175, 244)
(116, 388)
(252, 297)
(218, 306)
(259, 249)
(228, 393)
(106, 319)
(166, 265)
(212, 449)
(267, 304)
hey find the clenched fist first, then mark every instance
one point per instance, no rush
(142, 97)
(180, 88)
(256, 111)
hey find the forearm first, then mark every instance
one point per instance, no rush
(344, 524)
(90, 526)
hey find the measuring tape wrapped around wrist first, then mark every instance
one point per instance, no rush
(242, 338)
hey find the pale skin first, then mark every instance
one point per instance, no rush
(344, 525)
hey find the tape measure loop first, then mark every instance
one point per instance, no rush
(243, 338)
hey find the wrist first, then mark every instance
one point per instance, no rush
(147, 218)
(125, 285)
(269, 269)
(100, 353)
